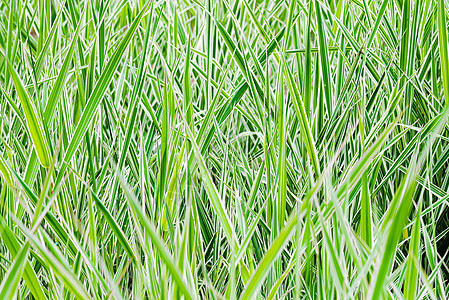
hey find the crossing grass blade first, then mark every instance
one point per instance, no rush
(59, 265)
(270, 256)
(118, 232)
(29, 275)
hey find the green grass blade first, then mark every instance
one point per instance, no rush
(9, 284)
(35, 125)
(97, 95)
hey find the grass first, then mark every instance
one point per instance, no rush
(224, 149)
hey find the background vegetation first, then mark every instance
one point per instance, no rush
(224, 149)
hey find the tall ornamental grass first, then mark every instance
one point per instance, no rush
(224, 149)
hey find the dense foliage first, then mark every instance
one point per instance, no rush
(224, 149)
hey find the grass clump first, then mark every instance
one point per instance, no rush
(220, 149)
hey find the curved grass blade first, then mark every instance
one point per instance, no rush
(34, 121)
